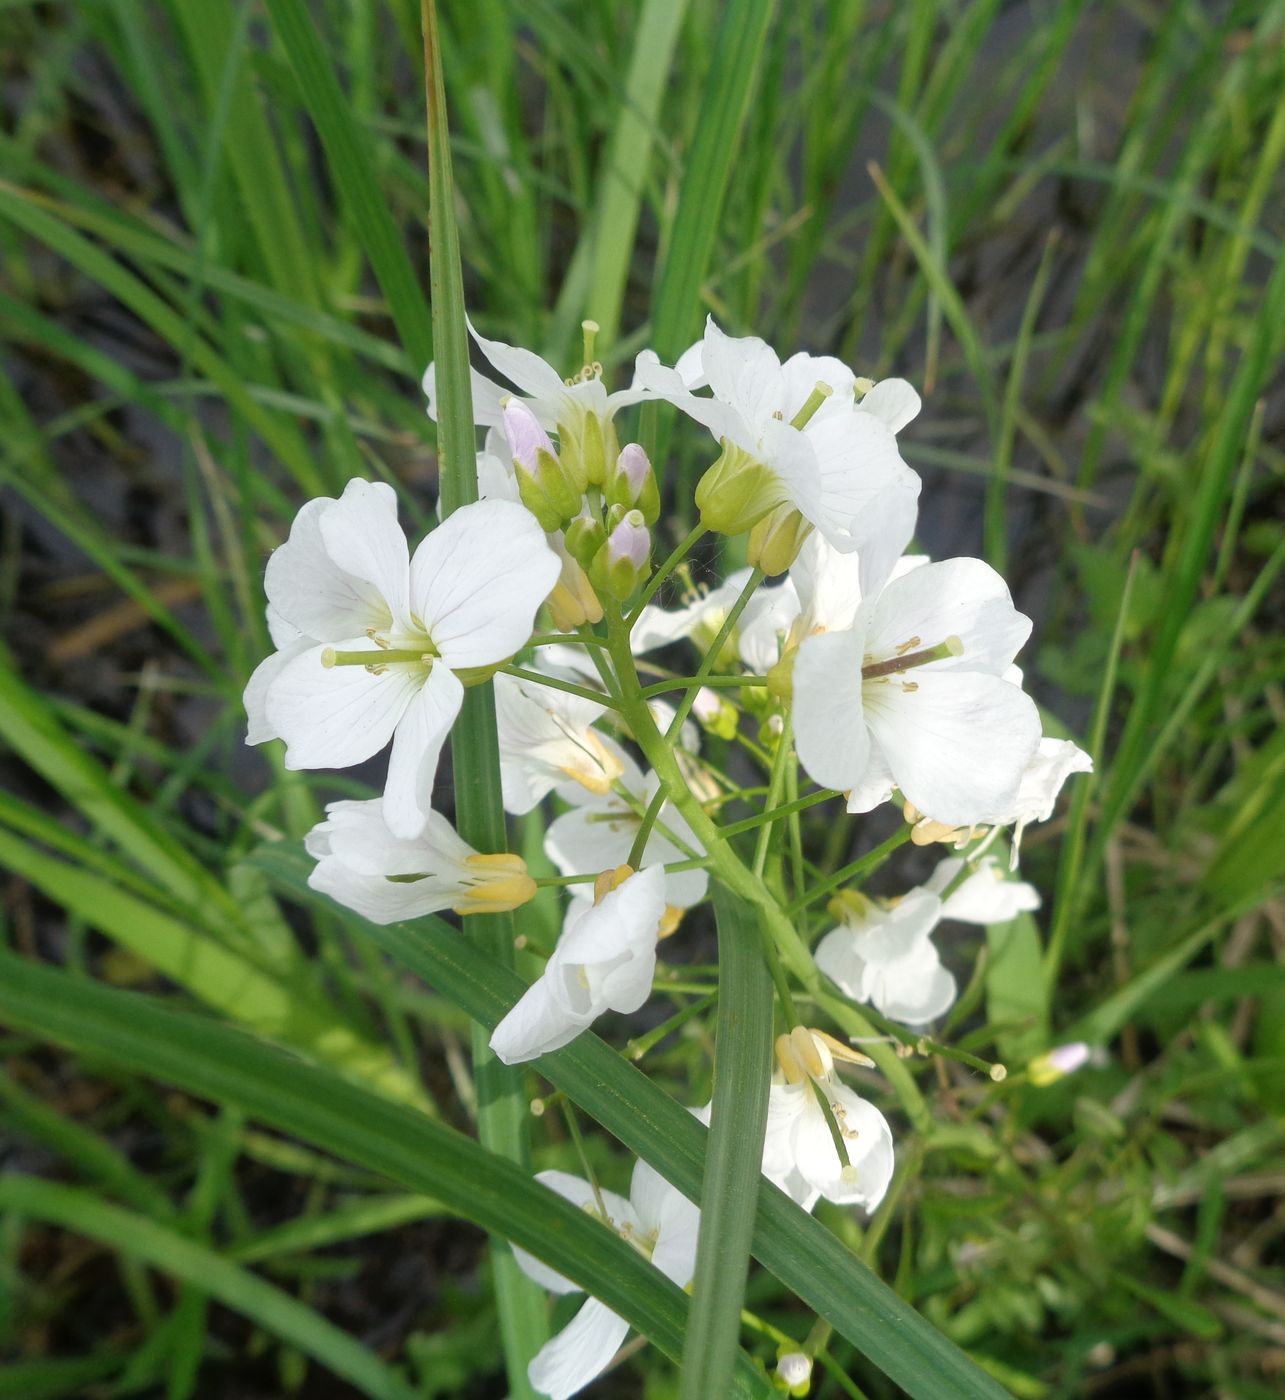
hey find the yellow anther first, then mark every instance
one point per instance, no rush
(502, 883)
(808, 1052)
(909, 645)
(672, 917)
(785, 1057)
(841, 1050)
(610, 880)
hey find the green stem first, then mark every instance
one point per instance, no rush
(872, 860)
(695, 683)
(712, 655)
(800, 804)
(727, 868)
(556, 683)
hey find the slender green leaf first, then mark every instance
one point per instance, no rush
(475, 753)
(195, 1263)
(802, 1253)
(730, 1186)
(228, 1066)
(353, 167)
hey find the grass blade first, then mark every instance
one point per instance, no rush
(800, 1251)
(195, 1263)
(730, 1188)
(353, 167)
(226, 1065)
(475, 753)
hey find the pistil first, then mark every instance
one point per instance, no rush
(386, 656)
(814, 401)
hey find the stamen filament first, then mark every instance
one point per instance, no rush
(894, 665)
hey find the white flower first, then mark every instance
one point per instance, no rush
(912, 695)
(1054, 762)
(579, 409)
(598, 834)
(985, 897)
(604, 961)
(886, 956)
(657, 1221)
(547, 741)
(381, 636)
(798, 1153)
(839, 469)
(362, 865)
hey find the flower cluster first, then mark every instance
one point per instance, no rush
(834, 666)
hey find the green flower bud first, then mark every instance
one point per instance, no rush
(622, 562)
(775, 540)
(632, 483)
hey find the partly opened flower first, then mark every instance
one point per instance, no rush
(912, 696)
(986, 896)
(385, 878)
(604, 961)
(578, 409)
(381, 636)
(886, 956)
(599, 831)
(799, 1153)
(794, 441)
(657, 1221)
(547, 741)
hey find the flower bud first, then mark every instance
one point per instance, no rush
(584, 538)
(542, 483)
(715, 714)
(632, 483)
(621, 562)
(573, 601)
(775, 540)
(588, 446)
(793, 1373)
(1057, 1063)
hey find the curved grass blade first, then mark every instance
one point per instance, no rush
(475, 752)
(354, 170)
(165, 1249)
(316, 1105)
(729, 1191)
(802, 1253)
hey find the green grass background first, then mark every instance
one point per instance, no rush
(1061, 220)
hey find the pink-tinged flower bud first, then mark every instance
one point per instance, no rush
(621, 562)
(542, 483)
(633, 465)
(632, 483)
(630, 540)
(1057, 1063)
(526, 438)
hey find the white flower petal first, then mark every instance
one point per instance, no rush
(583, 1196)
(745, 373)
(478, 580)
(579, 1353)
(986, 896)
(255, 698)
(417, 746)
(534, 376)
(828, 584)
(870, 1152)
(965, 598)
(829, 726)
(536, 1025)
(857, 461)
(893, 402)
(958, 745)
(800, 375)
(625, 919)
(361, 534)
(309, 592)
(488, 399)
(333, 717)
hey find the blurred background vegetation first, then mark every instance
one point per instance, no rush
(1061, 220)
